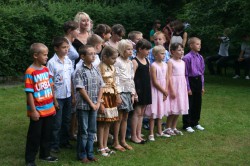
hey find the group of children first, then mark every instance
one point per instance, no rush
(128, 76)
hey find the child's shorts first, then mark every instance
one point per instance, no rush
(126, 102)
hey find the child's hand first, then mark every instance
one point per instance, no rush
(133, 99)
(34, 115)
(189, 92)
(57, 106)
(202, 91)
(101, 109)
(172, 95)
(164, 97)
(118, 100)
(93, 106)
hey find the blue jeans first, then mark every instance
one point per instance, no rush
(86, 133)
(61, 124)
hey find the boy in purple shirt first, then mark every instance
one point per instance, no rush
(195, 84)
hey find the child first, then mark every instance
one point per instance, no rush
(60, 69)
(143, 90)
(134, 37)
(104, 31)
(195, 84)
(40, 108)
(111, 98)
(97, 42)
(177, 101)
(159, 40)
(156, 28)
(89, 83)
(125, 85)
(71, 32)
(222, 56)
(117, 33)
(159, 85)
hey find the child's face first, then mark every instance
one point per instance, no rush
(159, 40)
(196, 46)
(128, 51)
(110, 60)
(178, 53)
(160, 55)
(62, 50)
(90, 56)
(85, 23)
(144, 52)
(42, 56)
(106, 37)
(137, 38)
(116, 37)
(98, 48)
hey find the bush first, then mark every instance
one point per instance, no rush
(24, 23)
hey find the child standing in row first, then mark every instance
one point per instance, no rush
(118, 31)
(125, 84)
(111, 99)
(40, 108)
(177, 101)
(143, 89)
(88, 83)
(195, 84)
(159, 89)
(61, 69)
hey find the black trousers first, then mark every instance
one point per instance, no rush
(39, 133)
(195, 100)
(220, 61)
(245, 63)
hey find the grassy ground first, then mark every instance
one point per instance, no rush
(225, 115)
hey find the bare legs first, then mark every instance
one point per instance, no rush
(102, 135)
(136, 123)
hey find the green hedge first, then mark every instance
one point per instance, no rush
(24, 23)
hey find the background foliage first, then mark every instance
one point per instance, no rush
(24, 22)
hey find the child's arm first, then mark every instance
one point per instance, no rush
(155, 82)
(85, 96)
(34, 115)
(170, 72)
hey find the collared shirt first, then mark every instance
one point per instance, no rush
(61, 73)
(124, 75)
(90, 80)
(151, 57)
(195, 66)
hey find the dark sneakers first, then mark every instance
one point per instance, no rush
(50, 159)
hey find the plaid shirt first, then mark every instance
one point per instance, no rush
(90, 80)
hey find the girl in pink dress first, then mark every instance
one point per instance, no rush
(159, 84)
(178, 95)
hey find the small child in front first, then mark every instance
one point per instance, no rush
(88, 83)
(40, 107)
(159, 89)
(194, 72)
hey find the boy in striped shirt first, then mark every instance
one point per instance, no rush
(40, 106)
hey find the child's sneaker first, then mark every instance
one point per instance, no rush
(190, 129)
(236, 76)
(163, 135)
(50, 159)
(151, 138)
(169, 131)
(178, 132)
(199, 127)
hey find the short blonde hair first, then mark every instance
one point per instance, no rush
(94, 40)
(158, 33)
(37, 48)
(122, 46)
(78, 18)
(158, 49)
(192, 40)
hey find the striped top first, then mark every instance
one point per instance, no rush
(38, 82)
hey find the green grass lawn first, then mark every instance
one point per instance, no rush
(225, 141)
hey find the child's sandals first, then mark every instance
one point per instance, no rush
(109, 151)
(103, 152)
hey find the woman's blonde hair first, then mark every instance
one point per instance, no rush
(78, 18)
